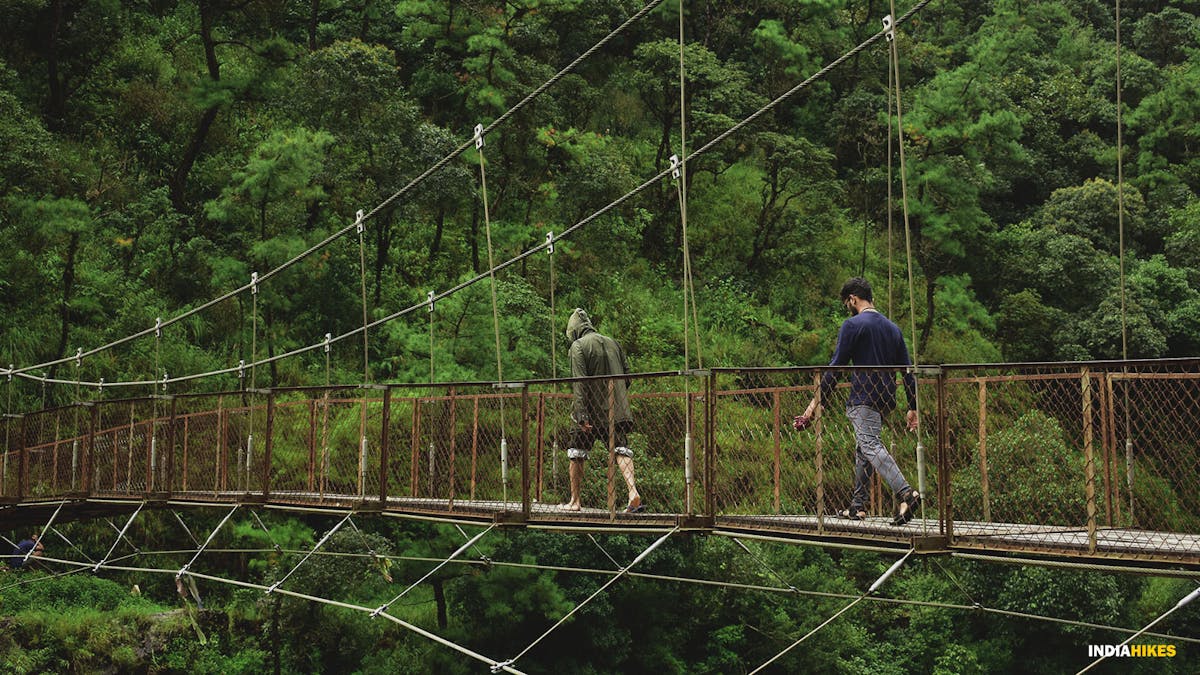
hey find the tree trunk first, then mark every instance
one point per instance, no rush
(178, 182)
(314, 11)
(440, 223)
(68, 282)
(927, 326)
(439, 595)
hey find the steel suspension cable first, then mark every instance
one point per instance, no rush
(875, 586)
(623, 571)
(1121, 237)
(311, 598)
(487, 226)
(638, 575)
(753, 117)
(437, 166)
(1186, 599)
(912, 309)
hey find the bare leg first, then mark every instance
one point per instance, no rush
(626, 466)
(576, 474)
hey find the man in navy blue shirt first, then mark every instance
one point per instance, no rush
(868, 338)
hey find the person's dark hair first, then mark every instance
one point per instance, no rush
(857, 286)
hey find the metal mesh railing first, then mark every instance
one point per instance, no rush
(770, 475)
(1091, 459)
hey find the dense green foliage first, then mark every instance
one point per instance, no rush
(156, 154)
(137, 622)
(153, 155)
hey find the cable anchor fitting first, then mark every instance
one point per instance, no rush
(888, 28)
(478, 136)
(164, 381)
(254, 283)
(497, 667)
(429, 299)
(550, 242)
(328, 337)
(241, 369)
(78, 357)
(10, 371)
(158, 327)
(100, 385)
(358, 221)
(674, 167)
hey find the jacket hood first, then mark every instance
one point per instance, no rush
(578, 325)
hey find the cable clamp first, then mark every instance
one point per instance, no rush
(100, 385)
(378, 610)
(272, 588)
(182, 571)
(888, 28)
(328, 337)
(497, 667)
(79, 357)
(358, 221)
(429, 296)
(478, 136)
(164, 381)
(158, 327)
(241, 369)
(550, 242)
(674, 167)
(254, 283)
(10, 371)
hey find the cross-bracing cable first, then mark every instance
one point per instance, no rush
(484, 561)
(311, 598)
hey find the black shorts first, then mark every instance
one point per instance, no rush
(581, 441)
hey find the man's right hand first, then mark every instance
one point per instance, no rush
(801, 422)
(586, 426)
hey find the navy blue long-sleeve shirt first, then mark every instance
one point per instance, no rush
(871, 339)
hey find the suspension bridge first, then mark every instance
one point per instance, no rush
(1112, 442)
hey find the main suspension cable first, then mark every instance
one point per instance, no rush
(437, 166)
(577, 226)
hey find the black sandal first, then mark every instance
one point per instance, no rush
(907, 507)
(856, 514)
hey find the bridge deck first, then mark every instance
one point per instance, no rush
(1110, 543)
(1090, 461)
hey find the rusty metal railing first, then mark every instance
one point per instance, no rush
(1085, 459)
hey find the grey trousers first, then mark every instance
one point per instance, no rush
(871, 455)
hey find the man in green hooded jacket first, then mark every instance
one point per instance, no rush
(596, 403)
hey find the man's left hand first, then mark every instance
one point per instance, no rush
(913, 420)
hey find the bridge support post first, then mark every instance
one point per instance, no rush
(1089, 458)
(266, 471)
(89, 448)
(819, 454)
(525, 464)
(710, 444)
(168, 482)
(945, 499)
(384, 447)
(22, 461)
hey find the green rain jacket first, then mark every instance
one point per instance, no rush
(596, 354)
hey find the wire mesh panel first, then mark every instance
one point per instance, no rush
(769, 475)
(201, 437)
(326, 445)
(1152, 453)
(1081, 458)
(53, 446)
(10, 435)
(122, 447)
(655, 440)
